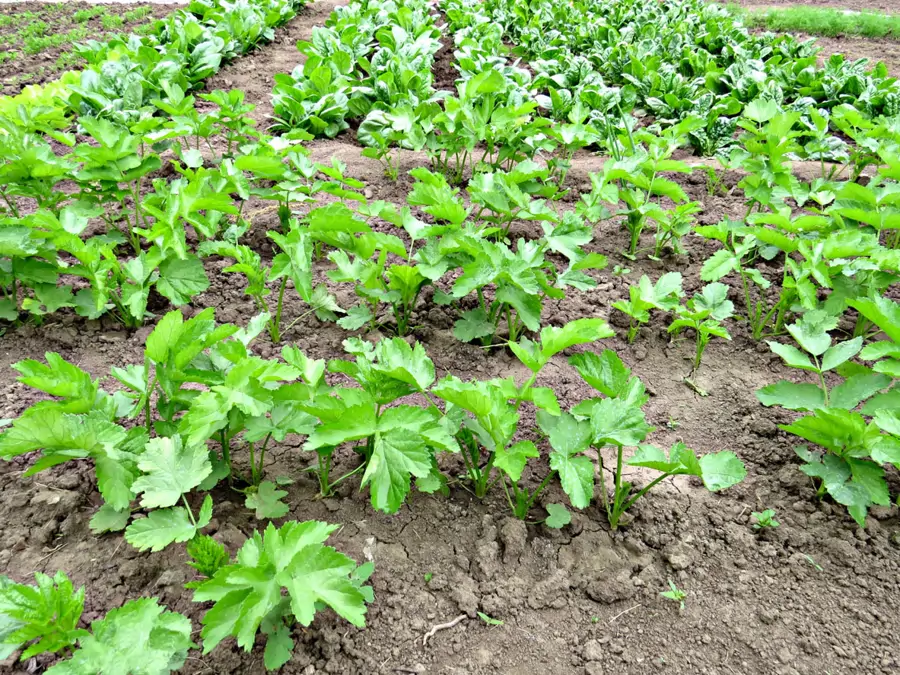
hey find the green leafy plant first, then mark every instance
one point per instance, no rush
(820, 357)
(704, 313)
(293, 262)
(675, 594)
(741, 249)
(207, 556)
(395, 443)
(765, 520)
(42, 618)
(489, 417)
(170, 470)
(281, 577)
(616, 420)
(645, 295)
(851, 468)
(140, 637)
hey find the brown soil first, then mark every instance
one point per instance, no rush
(886, 51)
(25, 69)
(815, 595)
(881, 50)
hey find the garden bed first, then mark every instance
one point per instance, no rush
(817, 594)
(38, 38)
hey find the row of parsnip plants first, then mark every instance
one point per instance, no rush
(122, 234)
(251, 402)
(159, 444)
(834, 240)
(810, 260)
(125, 74)
(150, 243)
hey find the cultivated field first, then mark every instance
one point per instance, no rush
(462, 279)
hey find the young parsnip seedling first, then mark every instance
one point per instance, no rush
(811, 333)
(645, 295)
(703, 313)
(207, 556)
(42, 618)
(675, 594)
(765, 520)
(164, 638)
(617, 420)
(279, 578)
(489, 417)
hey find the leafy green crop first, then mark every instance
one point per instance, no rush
(41, 618)
(396, 443)
(207, 556)
(857, 445)
(278, 578)
(703, 313)
(617, 420)
(663, 295)
(170, 470)
(489, 416)
(139, 638)
(764, 520)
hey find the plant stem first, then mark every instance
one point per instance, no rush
(346, 475)
(539, 490)
(275, 324)
(190, 513)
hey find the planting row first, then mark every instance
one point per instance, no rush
(124, 75)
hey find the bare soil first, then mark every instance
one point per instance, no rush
(875, 50)
(816, 595)
(22, 68)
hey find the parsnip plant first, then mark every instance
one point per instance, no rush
(140, 637)
(396, 443)
(293, 262)
(279, 578)
(664, 295)
(488, 413)
(617, 420)
(42, 619)
(704, 313)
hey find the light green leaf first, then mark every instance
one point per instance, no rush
(580, 331)
(792, 356)
(171, 469)
(558, 516)
(266, 501)
(160, 528)
(108, 519)
(279, 647)
(841, 352)
(614, 421)
(396, 456)
(791, 395)
(722, 470)
(139, 638)
(512, 460)
(181, 279)
(576, 475)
